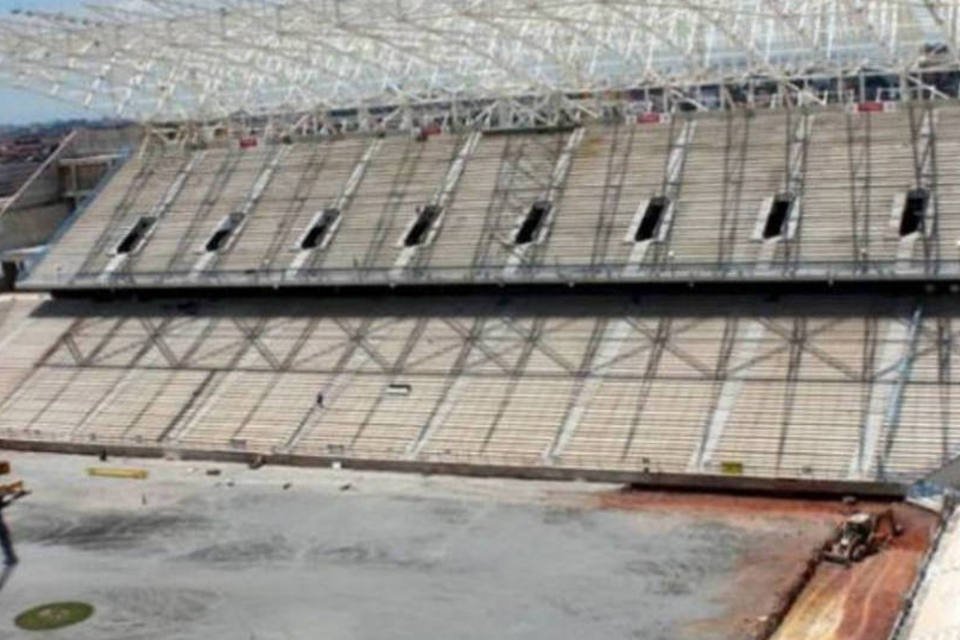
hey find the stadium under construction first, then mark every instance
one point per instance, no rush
(701, 249)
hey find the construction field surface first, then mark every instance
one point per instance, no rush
(284, 553)
(863, 601)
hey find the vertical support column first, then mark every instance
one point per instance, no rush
(605, 348)
(160, 209)
(923, 141)
(895, 405)
(670, 189)
(945, 348)
(618, 156)
(457, 382)
(859, 159)
(797, 343)
(209, 258)
(744, 348)
(397, 371)
(558, 177)
(340, 204)
(73, 183)
(202, 402)
(793, 183)
(440, 199)
(736, 146)
(797, 156)
(677, 159)
(646, 381)
(530, 342)
(354, 356)
(305, 182)
(886, 397)
(217, 184)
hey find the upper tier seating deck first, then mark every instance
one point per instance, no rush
(822, 194)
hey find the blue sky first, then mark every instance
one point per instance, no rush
(21, 107)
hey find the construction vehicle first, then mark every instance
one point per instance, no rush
(861, 535)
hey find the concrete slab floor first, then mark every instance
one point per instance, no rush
(359, 555)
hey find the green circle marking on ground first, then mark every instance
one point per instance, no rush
(53, 616)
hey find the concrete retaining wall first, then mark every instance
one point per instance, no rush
(701, 482)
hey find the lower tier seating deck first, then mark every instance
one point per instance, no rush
(807, 194)
(833, 389)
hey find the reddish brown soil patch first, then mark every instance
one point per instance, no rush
(730, 505)
(771, 579)
(862, 602)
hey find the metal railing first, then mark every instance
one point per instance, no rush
(498, 274)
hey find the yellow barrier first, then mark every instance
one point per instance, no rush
(117, 472)
(731, 468)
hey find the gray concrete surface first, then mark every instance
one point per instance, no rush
(348, 555)
(32, 226)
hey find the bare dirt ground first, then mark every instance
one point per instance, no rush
(862, 602)
(285, 553)
(838, 603)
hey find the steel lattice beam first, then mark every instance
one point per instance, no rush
(158, 60)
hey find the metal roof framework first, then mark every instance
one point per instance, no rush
(400, 63)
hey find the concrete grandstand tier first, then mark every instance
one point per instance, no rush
(803, 194)
(818, 390)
